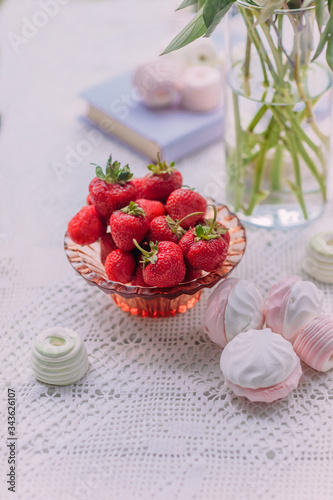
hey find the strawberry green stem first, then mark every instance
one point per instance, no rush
(213, 220)
(148, 256)
(189, 215)
(161, 168)
(144, 252)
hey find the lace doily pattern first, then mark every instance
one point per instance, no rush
(152, 418)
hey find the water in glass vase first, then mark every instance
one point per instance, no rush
(278, 121)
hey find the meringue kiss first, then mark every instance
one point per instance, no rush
(291, 305)
(260, 365)
(235, 306)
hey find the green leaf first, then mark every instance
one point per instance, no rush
(320, 13)
(326, 37)
(269, 7)
(329, 52)
(194, 29)
(114, 172)
(161, 167)
(213, 13)
(133, 209)
(187, 3)
(100, 173)
(199, 231)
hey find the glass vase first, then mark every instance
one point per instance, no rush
(278, 117)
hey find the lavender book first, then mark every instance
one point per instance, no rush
(116, 108)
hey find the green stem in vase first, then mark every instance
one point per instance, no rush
(239, 163)
(286, 115)
(298, 80)
(253, 34)
(296, 187)
(257, 117)
(310, 163)
(276, 54)
(276, 171)
(258, 194)
(247, 89)
(284, 130)
(295, 146)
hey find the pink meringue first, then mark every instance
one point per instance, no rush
(260, 365)
(233, 307)
(291, 305)
(269, 394)
(158, 83)
(314, 345)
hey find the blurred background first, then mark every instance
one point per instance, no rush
(51, 50)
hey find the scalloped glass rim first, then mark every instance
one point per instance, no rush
(86, 262)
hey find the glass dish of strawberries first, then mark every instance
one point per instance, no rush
(151, 243)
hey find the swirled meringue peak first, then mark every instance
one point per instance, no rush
(259, 359)
(235, 306)
(245, 309)
(59, 357)
(291, 305)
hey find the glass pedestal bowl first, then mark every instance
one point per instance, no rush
(157, 302)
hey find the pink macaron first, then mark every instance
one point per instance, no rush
(291, 305)
(260, 365)
(314, 345)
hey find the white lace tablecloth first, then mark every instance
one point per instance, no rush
(152, 419)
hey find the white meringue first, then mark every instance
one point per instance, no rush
(59, 357)
(201, 88)
(291, 305)
(258, 359)
(233, 307)
(318, 260)
(245, 309)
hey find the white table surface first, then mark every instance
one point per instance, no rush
(152, 419)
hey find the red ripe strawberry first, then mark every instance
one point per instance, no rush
(210, 247)
(208, 255)
(89, 200)
(139, 189)
(138, 278)
(107, 246)
(192, 273)
(112, 190)
(166, 229)
(189, 237)
(86, 227)
(164, 265)
(226, 235)
(153, 208)
(162, 180)
(183, 202)
(128, 223)
(187, 241)
(120, 266)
